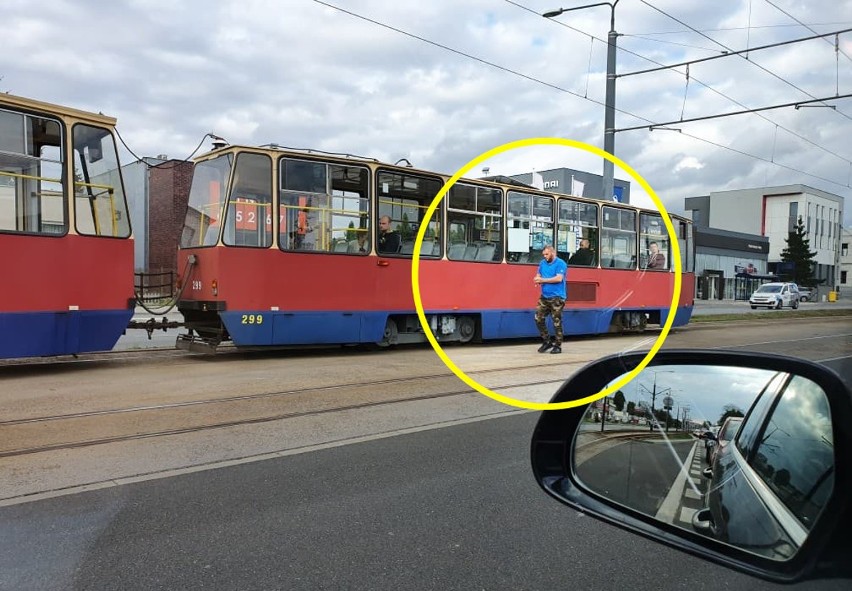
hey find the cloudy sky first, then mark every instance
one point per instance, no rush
(706, 390)
(442, 81)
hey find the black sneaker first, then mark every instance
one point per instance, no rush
(556, 349)
(545, 346)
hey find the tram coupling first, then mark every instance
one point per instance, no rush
(151, 325)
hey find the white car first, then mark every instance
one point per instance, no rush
(775, 295)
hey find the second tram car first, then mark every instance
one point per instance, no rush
(65, 238)
(283, 247)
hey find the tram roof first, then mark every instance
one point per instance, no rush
(310, 153)
(61, 110)
(496, 181)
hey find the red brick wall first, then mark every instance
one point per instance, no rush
(168, 195)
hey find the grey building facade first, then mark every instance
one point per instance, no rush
(575, 182)
(729, 265)
(772, 212)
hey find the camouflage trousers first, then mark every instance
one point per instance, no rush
(552, 307)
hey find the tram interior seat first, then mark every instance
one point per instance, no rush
(619, 261)
(354, 247)
(486, 251)
(456, 251)
(470, 252)
(341, 246)
(407, 247)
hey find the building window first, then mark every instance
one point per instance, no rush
(843, 277)
(794, 213)
(844, 249)
(696, 217)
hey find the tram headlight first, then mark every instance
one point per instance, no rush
(215, 287)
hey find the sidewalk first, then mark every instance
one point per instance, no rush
(702, 307)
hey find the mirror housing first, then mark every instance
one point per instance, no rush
(825, 552)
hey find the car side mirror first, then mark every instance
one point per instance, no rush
(776, 502)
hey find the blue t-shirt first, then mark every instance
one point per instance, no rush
(548, 270)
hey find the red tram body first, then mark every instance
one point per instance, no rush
(281, 249)
(65, 239)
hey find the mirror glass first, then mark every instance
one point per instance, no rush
(745, 456)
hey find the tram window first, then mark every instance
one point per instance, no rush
(404, 198)
(324, 207)
(248, 218)
(32, 198)
(529, 224)
(100, 208)
(577, 221)
(475, 223)
(655, 252)
(305, 176)
(206, 198)
(687, 246)
(618, 238)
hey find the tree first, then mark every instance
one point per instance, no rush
(799, 253)
(730, 410)
(618, 400)
(631, 408)
(406, 232)
(351, 234)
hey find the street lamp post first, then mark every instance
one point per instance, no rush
(609, 108)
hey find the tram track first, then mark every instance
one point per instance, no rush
(51, 433)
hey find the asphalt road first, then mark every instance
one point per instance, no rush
(452, 508)
(637, 473)
(446, 508)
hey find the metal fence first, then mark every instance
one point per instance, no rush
(154, 287)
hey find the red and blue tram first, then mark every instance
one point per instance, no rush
(282, 247)
(66, 254)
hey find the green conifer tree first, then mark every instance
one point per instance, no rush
(799, 253)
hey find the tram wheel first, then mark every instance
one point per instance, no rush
(391, 334)
(467, 329)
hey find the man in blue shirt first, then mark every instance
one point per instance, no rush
(551, 277)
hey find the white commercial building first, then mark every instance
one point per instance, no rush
(772, 212)
(845, 282)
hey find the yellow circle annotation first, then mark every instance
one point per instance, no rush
(415, 274)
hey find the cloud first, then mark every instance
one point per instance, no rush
(688, 163)
(303, 74)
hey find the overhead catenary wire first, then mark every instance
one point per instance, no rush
(745, 112)
(727, 29)
(800, 23)
(767, 70)
(163, 164)
(647, 38)
(848, 183)
(695, 80)
(733, 53)
(567, 91)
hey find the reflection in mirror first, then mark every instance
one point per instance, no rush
(741, 455)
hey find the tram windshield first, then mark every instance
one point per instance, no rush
(100, 207)
(32, 199)
(206, 200)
